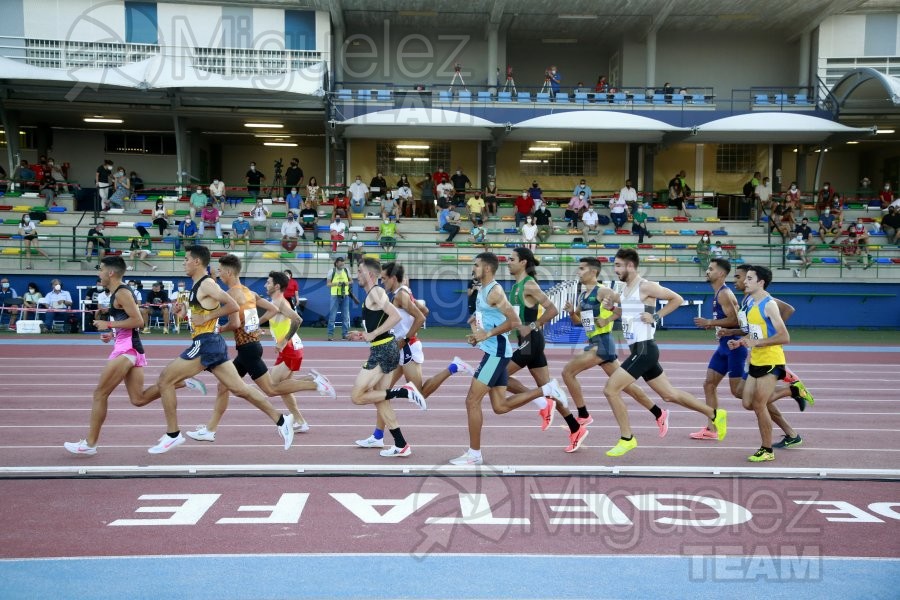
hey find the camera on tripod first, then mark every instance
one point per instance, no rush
(279, 164)
(457, 67)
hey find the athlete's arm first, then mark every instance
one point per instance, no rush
(497, 299)
(729, 305)
(407, 304)
(234, 319)
(651, 289)
(603, 294)
(534, 291)
(271, 309)
(574, 313)
(784, 309)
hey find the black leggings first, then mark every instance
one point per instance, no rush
(162, 224)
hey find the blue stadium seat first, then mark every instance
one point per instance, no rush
(781, 99)
(801, 99)
(465, 96)
(384, 95)
(659, 99)
(678, 99)
(446, 96)
(698, 99)
(562, 98)
(542, 98)
(639, 99)
(504, 97)
(345, 94)
(581, 98)
(523, 96)
(364, 95)
(619, 98)
(761, 99)
(484, 96)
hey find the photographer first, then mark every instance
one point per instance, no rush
(293, 176)
(553, 77)
(339, 281)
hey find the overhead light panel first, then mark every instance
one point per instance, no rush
(529, 160)
(285, 144)
(402, 159)
(102, 120)
(545, 149)
(412, 147)
(420, 159)
(265, 125)
(885, 131)
(852, 142)
(550, 142)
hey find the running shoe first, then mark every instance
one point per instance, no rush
(622, 447)
(585, 421)
(546, 414)
(286, 431)
(414, 396)
(323, 386)
(467, 459)
(663, 423)
(721, 423)
(146, 329)
(395, 452)
(80, 448)
(802, 395)
(553, 390)
(788, 442)
(704, 434)
(195, 384)
(576, 438)
(166, 443)
(301, 427)
(761, 455)
(462, 366)
(202, 434)
(370, 442)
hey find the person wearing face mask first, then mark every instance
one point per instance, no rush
(703, 247)
(358, 193)
(28, 231)
(290, 233)
(378, 187)
(240, 231)
(96, 240)
(829, 223)
(390, 207)
(886, 195)
(529, 234)
(460, 183)
(309, 219)
(57, 301)
(554, 78)
(388, 234)
(356, 252)
(254, 178)
(293, 200)
(293, 176)
(639, 224)
(825, 198)
(217, 193)
(448, 222)
(121, 185)
(524, 207)
(490, 196)
(31, 300)
(575, 208)
(341, 208)
(618, 211)
(198, 201)
(440, 176)
(536, 193)
(9, 302)
(405, 201)
(179, 295)
(260, 215)
(590, 224)
(796, 251)
(337, 231)
(101, 181)
(187, 232)
(792, 198)
(763, 193)
(210, 217)
(475, 206)
(160, 217)
(583, 187)
(543, 218)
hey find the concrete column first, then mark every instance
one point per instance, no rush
(492, 65)
(651, 60)
(10, 120)
(801, 168)
(649, 151)
(182, 153)
(805, 51)
(337, 56)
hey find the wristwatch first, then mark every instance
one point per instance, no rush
(534, 326)
(656, 317)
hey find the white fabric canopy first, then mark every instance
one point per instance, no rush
(773, 128)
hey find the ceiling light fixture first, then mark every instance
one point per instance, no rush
(420, 159)
(412, 147)
(402, 159)
(99, 119)
(884, 131)
(529, 160)
(852, 142)
(285, 144)
(544, 149)
(265, 125)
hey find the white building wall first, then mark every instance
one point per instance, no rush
(183, 25)
(76, 20)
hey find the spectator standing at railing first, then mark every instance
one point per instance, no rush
(57, 301)
(886, 195)
(217, 193)
(555, 79)
(101, 182)
(293, 176)
(198, 201)
(524, 207)
(254, 178)
(209, 217)
(429, 195)
(461, 183)
(358, 192)
(121, 186)
(629, 195)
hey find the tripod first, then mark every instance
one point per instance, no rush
(510, 84)
(546, 87)
(457, 75)
(276, 190)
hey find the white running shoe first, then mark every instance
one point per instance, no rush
(395, 452)
(414, 396)
(301, 427)
(286, 431)
(554, 391)
(202, 434)
(195, 384)
(323, 386)
(166, 443)
(462, 366)
(370, 442)
(80, 448)
(467, 459)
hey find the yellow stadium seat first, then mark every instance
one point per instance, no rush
(466, 258)
(166, 253)
(666, 219)
(271, 255)
(10, 250)
(21, 208)
(49, 222)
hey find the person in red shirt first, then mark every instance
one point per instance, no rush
(886, 195)
(524, 207)
(290, 293)
(440, 176)
(342, 208)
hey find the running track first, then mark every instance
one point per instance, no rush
(439, 532)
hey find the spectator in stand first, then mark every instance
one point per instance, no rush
(313, 191)
(703, 250)
(536, 193)
(717, 250)
(121, 187)
(618, 211)
(404, 197)
(668, 90)
(59, 177)
(781, 221)
(290, 233)
(861, 232)
(47, 189)
(292, 290)
(580, 88)
(447, 223)
(890, 224)
(218, 195)
(639, 224)
(388, 234)
(137, 184)
(478, 234)
(576, 207)
(28, 231)
(590, 223)
(677, 198)
(157, 305)
(792, 198)
(24, 173)
(886, 195)
(254, 177)
(554, 78)
(358, 192)
(440, 176)
(356, 252)
(180, 294)
(338, 230)
(524, 207)
(209, 217)
(9, 301)
(260, 217)
(293, 176)
(429, 195)
(101, 182)
(826, 198)
(240, 232)
(475, 206)
(490, 196)
(629, 194)
(30, 301)
(583, 187)
(378, 187)
(602, 85)
(404, 180)
(472, 291)
(804, 229)
(852, 252)
(763, 193)
(293, 200)
(97, 240)
(796, 250)
(160, 217)
(829, 223)
(341, 208)
(460, 183)
(58, 301)
(198, 201)
(309, 218)
(187, 232)
(444, 194)
(529, 234)
(390, 207)
(543, 219)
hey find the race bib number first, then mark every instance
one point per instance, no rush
(296, 343)
(628, 329)
(588, 324)
(742, 321)
(517, 310)
(479, 319)
(756, 332)
(251, 320)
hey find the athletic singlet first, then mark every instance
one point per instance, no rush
(118, 314)
(487, 317)
(591, 308)
(517, 299)
(406, 320)
(633, 328)
(760, 327)
(194, 307)
(719, 313)
(279, 326)
(248, 332)
(372, 320)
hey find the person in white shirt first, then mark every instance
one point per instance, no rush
(404, 197)
(618, 211)
(217, 193)
(590, 223)
(445, 193)
(629, 194)
(290, 232)
(57, 301)
(796, 250)
(529, 234)
(338, 228)
(358, 193)
(260, 215)
(764, 192)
